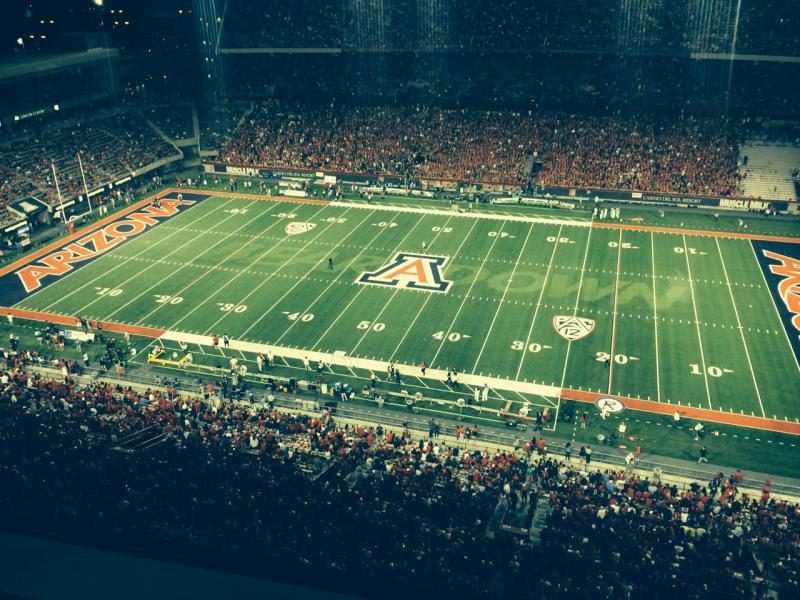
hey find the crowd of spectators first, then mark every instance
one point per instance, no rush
(630, 153)
(657, 28)
(174, 119)
(111, 146)
(217, 122)
(249, 485)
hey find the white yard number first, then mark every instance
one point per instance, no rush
(371, 325)
(680, 250)
(620, 359)
(236, 211)
(442, 229)
(502, 234)
(286, 215)
(452, 337)
(228, 307)
(334, 220)
(711, 370)
(101, 291)
(305, 317)
(385, 224)
(161, 299)
(622, 245)
(560, 240)
(518, 345)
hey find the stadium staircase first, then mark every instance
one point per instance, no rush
(768, 172)
(540, 520)
(141, 440)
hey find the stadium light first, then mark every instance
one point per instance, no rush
(97, 2)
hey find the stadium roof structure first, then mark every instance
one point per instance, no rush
(22, 66)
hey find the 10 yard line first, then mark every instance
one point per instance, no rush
(538, 302)
(577, 301)
(614, 313)
(741, 329)
(655, 314)
(697, 322)
(502, 299)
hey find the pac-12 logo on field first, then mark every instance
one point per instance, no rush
(410, 271)
(298, 227)
(573, 328)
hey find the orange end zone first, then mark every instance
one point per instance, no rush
(73, 322)
(249, 196)
(704, 414)
(698, 232)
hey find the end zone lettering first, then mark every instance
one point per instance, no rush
(96, 243)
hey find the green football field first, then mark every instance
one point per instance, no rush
(677, 318)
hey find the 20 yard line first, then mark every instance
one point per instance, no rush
(655, 314)
(697, 322)
(577, 302)
(741, 329)
(538, 302)
(502, 299)
(614, 313)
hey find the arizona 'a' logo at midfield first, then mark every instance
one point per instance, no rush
(410, 271)
(573, 328)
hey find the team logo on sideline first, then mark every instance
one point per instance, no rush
(298, 227)
(411, 272)
(609, 405)
(573, 328)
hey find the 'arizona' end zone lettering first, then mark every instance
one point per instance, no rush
(410, 271)
(109, 234)
(780, 264)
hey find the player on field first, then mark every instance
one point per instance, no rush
(306, 364)
(215, 341)
(330, 264)
(260, 362)
(485, 392)
(423, 367)
(270, 359)
(424, 246)
(226, 341)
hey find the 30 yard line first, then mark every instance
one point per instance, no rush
(241, 272)
(538, 303)
(171, 273)
(466, 296)
(655, 315)
(697, 322)
(741, 329)
(577, 301)
(502, 299)
(614, 313)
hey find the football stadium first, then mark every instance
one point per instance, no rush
(369, 299)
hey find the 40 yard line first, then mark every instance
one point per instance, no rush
(502, 299)
(741, 329)
(697, 322)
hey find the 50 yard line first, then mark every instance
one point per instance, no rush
(741, 329)
(697, 323)
(577, 301)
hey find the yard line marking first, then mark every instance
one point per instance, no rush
(143, 251)
(172, 273)
(741, 329)
(362, 287)
(575, 309)
(655, 315)
(538, 303)
(157, 262)
(338, 276)
(697, 322)
(466, 296)
(614, 313)
(772, 302)
(394, 293)
(219, 266)
(299, 281)
(500, 304)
